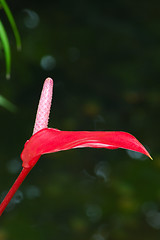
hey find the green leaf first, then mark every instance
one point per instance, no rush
(12, 22)
(6, 47)
(7, 104)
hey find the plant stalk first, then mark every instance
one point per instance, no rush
(14, 188)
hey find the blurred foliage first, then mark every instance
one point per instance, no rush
(4, 45)
(104, 58)
(4, 38)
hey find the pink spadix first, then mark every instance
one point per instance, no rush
(46, 140)
(44, 106)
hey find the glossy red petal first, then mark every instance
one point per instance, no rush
(53, 140)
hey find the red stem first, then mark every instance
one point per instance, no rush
(14, 188)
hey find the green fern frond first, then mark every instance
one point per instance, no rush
(6, 48)
(12, 22)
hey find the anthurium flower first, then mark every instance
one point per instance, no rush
(51, 140)
(48, 140)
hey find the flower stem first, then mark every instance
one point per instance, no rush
(14, 188)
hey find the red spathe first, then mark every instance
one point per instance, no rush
(51, 140)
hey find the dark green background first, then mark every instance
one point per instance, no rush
(106, 77)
